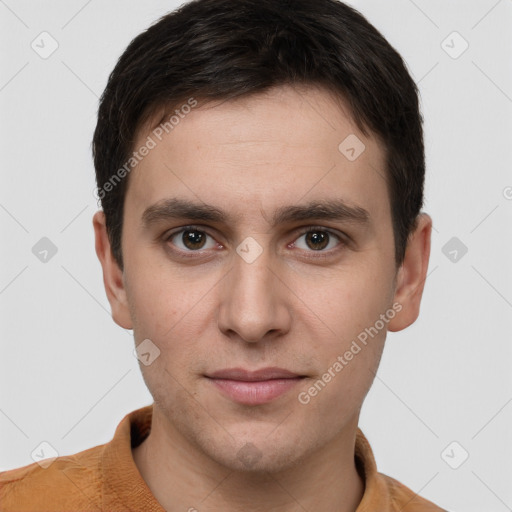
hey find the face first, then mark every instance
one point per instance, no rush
(285, 260)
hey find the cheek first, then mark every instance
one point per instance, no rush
(350, 333)
(159, 299)
(175, 313)
(347, 301)
(335, 395)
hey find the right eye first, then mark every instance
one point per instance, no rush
(191, 239)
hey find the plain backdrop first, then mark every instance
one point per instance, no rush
(68, 374)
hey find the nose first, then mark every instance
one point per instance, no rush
(254, 301)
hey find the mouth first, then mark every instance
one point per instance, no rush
(254, 387)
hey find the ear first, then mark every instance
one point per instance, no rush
(112, 274)
(412, 274)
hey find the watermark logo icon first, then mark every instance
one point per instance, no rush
(454, 249)
(44, 454)
(454, 45)
(352, 147)
(455, 455)
(45, 45)
(146, 352)
(249, 454)
(249, 250)
(44, 250)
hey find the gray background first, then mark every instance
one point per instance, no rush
(68, 374)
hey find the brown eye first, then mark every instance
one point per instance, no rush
(191, 239)
(317, 240)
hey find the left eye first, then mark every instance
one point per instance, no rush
(317, 240)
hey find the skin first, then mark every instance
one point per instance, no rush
(289, 308)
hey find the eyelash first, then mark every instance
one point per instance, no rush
(318, 255)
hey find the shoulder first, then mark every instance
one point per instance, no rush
(404, 499)
(67, 483)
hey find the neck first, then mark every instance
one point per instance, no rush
(183, 478)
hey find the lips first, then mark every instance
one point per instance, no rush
(252, 376)
(254, 387)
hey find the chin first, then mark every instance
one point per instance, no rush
(260, 454)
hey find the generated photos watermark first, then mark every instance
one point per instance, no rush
(150, 143)
(356, 346)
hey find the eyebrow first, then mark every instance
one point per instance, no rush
(334, 210)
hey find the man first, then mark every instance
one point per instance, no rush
(260, 165)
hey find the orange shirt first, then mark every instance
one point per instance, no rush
(105, 478)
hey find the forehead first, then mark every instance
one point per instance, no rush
(285, 146)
